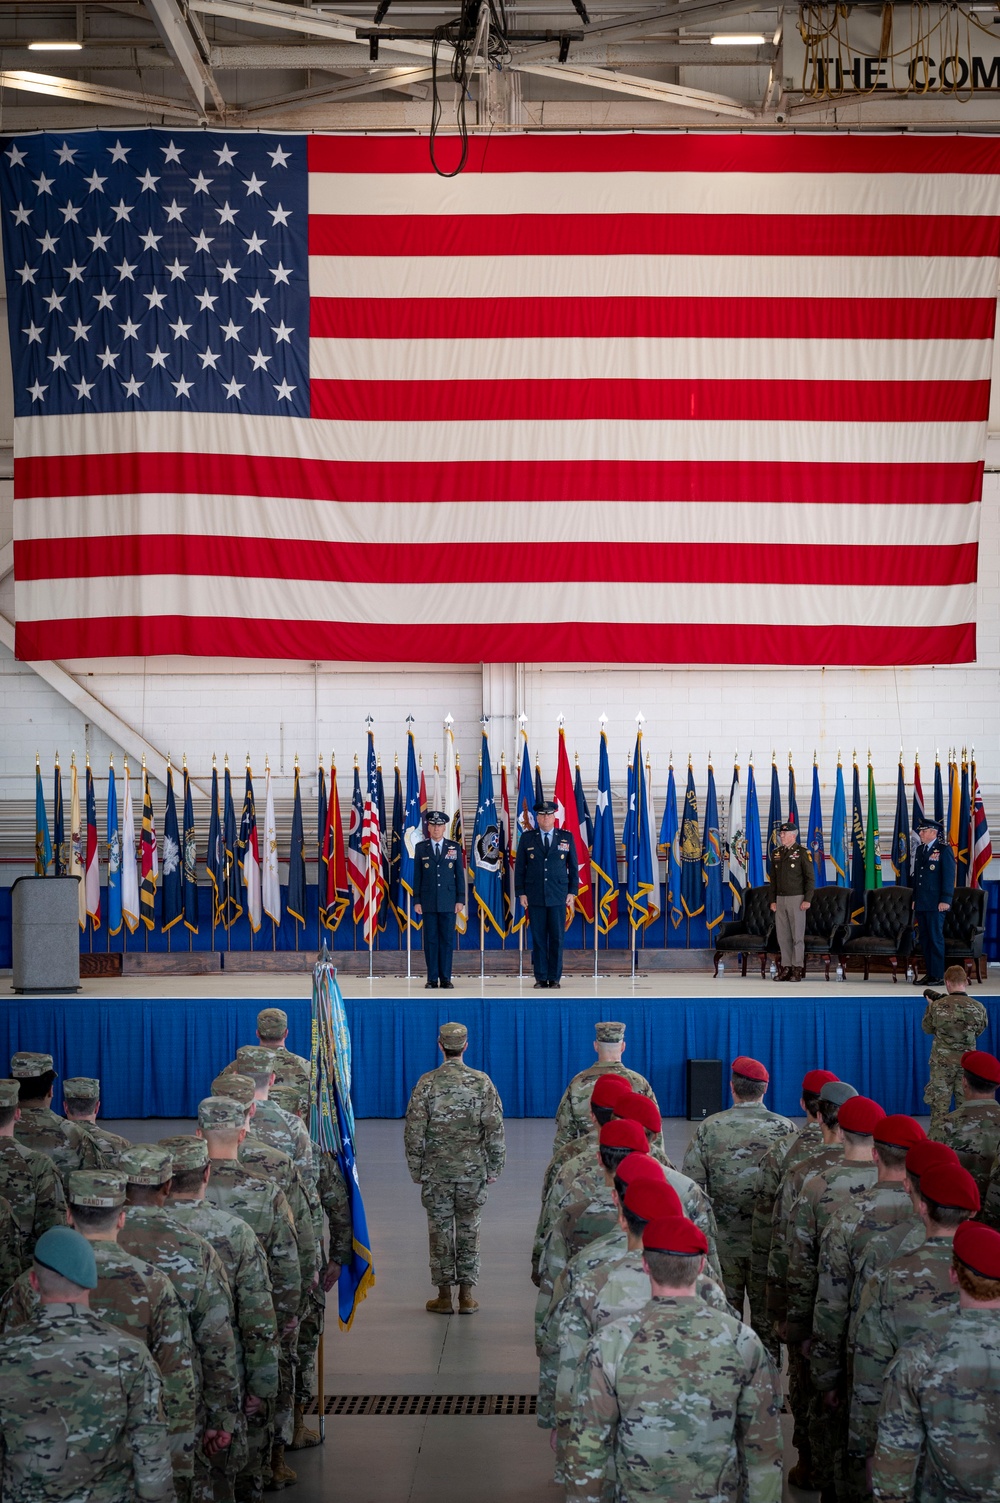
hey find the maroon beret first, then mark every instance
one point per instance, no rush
(624, 1135)
(608, 1088)
(652, 1201)
(674, 1234)
(860, 1114)
(750, 1069)
(899, 1131)
(814, 1080)
(986, 1066)
(978, 1247)
(636, 1108)
(922, 1155)
(950, 1185)
(639, 1166)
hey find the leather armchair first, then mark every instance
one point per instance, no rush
(750, 934)
(886, 931)
(965, 931)
(827, 924)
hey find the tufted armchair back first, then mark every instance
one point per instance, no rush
(965, 920)
(827, 914)
(887, 913)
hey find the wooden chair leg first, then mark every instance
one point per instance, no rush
(826, 967)
(743, 968)
(981, 961)
(867, 968)
(843, 965)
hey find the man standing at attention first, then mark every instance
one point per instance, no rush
(439, 894)
(791, 886)
(546, 881)
(454, 1141)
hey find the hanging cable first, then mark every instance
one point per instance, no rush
(462, 34)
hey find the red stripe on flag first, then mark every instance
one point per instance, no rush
(653, 318)
(653, 235)
(653, 401)
(503, 642)
(480, 563)
(498, 480)
(666, 152)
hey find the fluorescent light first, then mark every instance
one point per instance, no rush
(737, 39)
(55, 46)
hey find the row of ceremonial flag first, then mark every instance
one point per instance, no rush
(710, 862)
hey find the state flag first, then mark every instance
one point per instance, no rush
(249, 854)
(75, 844)
(295, 903)
(150, 863)
(604, 857)
(712, 858)
(692, 880)
(815, 832)
(755, 856)
(190, 864)
(43, 841)
(567, 819)
(270, 885)
(130, 875)
(92, 870)
(114, 857)
(215, 859)
(670, 842)
(840, 839)
(172, 885)
(736, 846)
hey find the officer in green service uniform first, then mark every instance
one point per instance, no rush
(791, 886)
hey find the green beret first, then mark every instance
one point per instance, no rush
(453, 1035)
(67, 1253)
(29, 1066)
(272, 1023)
(237, 1087)
(221, 1112)
(186, 1152)
(255, 1059)
(96, 1188)
(609, 1033)
(10, 1093)
(82, 1088)
(145, 1164)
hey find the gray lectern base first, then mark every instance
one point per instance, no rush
(45, 934)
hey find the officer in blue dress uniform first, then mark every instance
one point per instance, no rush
(546, 882)
(439, 893)
(933, 882)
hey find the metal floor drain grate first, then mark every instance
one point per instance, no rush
(390, 1404)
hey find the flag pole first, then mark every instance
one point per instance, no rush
(409, 940)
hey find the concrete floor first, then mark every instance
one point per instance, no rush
(395, 1347)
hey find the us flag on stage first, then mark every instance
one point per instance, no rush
(671, 398)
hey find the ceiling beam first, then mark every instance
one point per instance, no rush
(179, 42)
(642, 88)
(665, 23)
(79, 92)
(407, 80)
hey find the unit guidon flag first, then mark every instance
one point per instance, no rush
(645, 398)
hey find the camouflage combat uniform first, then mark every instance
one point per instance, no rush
(909, 1295)
(573, 1118)
(80, 1413)
(139, 1300)
(686, 1404)
(939, 1424)
(792, 1182)
(11, 1256)
(289, 1069)
(33, 1190)
(954, 1021)
(454, 1142)
(90, 1146)
(724, 1157)
(973, 1131)
(41, 1130)
(778, 1162)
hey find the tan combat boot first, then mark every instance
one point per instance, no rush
(466, 1304)
(442, 1305)
(281, 1473)
(302, 1438)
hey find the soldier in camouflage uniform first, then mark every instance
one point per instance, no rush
(68, 1373)
(724, 1157)
(683, 1399)
(195, 1270)
(939, 1424)
(28, 1180)
(11, 1255)
(841, 1254)
(272, 1031)
(822, 1195)
(137, 1298)
(335, 1204)
(93, 1147)
(256, 1327)
(263, 1206)
(454, 1142)
(973, 1128)
(954, 1020)
(575, 1154)
(271, 1123)
(573, 1119)
(911, 1294)
(38, 1126)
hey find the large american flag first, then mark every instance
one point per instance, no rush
(671, 398)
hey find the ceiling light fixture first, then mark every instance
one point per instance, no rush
(737, 39)
(55, 46)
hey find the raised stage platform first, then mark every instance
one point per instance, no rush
(156, 1043)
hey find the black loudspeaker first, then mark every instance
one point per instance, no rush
(704, 1082)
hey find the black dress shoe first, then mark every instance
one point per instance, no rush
(556, 985)
(540, 985)
(924, 981)
(430, 986)
(447, 986)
